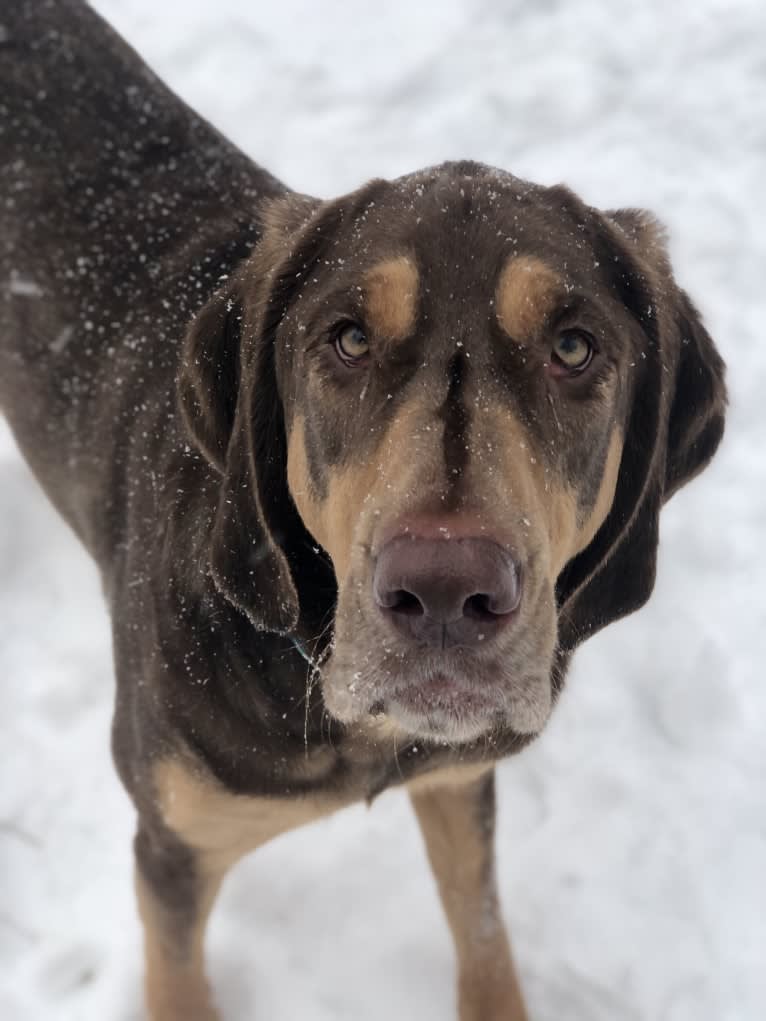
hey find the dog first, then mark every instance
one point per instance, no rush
(359, 475)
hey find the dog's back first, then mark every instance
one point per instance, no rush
(99, 272)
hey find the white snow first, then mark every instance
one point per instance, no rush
(632, 836)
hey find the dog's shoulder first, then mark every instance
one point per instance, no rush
(122, 211)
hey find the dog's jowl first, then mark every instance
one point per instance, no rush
(359, 474)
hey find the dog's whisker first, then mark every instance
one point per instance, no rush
(311, 676)
(396, 757)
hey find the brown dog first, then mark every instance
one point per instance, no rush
(359, 475)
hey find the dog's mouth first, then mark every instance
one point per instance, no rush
(444, 707)
(438, 699)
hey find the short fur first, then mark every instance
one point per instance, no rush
(167, 365)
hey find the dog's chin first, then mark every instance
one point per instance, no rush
(441, 708)
(439, 726)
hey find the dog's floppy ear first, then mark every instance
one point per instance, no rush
(696, 420)
(696, 413)
(674, 426)
(208, 379)
(227, 392)
(230, 397)
(213, 395)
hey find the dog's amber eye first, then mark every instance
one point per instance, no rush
(573, 350)
(351, 344)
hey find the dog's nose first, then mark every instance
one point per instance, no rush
(447, 592)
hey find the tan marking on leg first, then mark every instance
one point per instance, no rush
(526, 292)
(390, 298)
(219, 827)
(450, 776)
(460, 849)
(176, 988)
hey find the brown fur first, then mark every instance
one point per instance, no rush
(237, 484)
(456, 822)
(176, 988)
(219, 825)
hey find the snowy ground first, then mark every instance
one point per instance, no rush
(632, 837)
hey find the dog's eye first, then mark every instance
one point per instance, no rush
(351, 344)
(572, 350)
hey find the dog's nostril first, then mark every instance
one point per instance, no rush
(479, 607)
(405, 602)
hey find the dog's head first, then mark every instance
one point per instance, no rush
(474, 394)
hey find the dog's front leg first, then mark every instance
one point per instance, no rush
(176, 888)
(458, 825)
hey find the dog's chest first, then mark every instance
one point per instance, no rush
(224, 825)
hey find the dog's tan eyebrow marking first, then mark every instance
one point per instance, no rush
(527, 290)
(390, 297)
